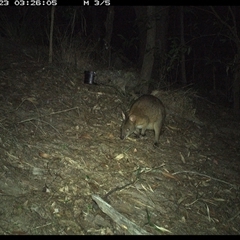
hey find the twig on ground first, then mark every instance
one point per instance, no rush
(204, 175)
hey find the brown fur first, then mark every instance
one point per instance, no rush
(147, 112)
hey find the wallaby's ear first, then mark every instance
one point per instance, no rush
(123, 115)
(132, 118)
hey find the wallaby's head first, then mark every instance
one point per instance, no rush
(128, 125)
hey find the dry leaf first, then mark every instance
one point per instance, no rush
(110, 136)
(44, 155)
(120, 156)
(85, 136)
(169, 175)
(30, 99)
(182, 157)
(173, 128)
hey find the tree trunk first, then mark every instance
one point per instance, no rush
(236, 84)
(141, 16)
(108, 36)
(159, 67)
(183, 67)
(148, 60)
(50, 56)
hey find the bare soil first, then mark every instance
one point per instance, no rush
(60, 145)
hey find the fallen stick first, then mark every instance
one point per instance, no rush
(117, 217)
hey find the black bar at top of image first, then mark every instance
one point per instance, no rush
(96, 3)
(99, 3)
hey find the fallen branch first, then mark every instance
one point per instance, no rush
(117, 217)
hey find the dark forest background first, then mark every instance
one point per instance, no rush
(170, 46)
